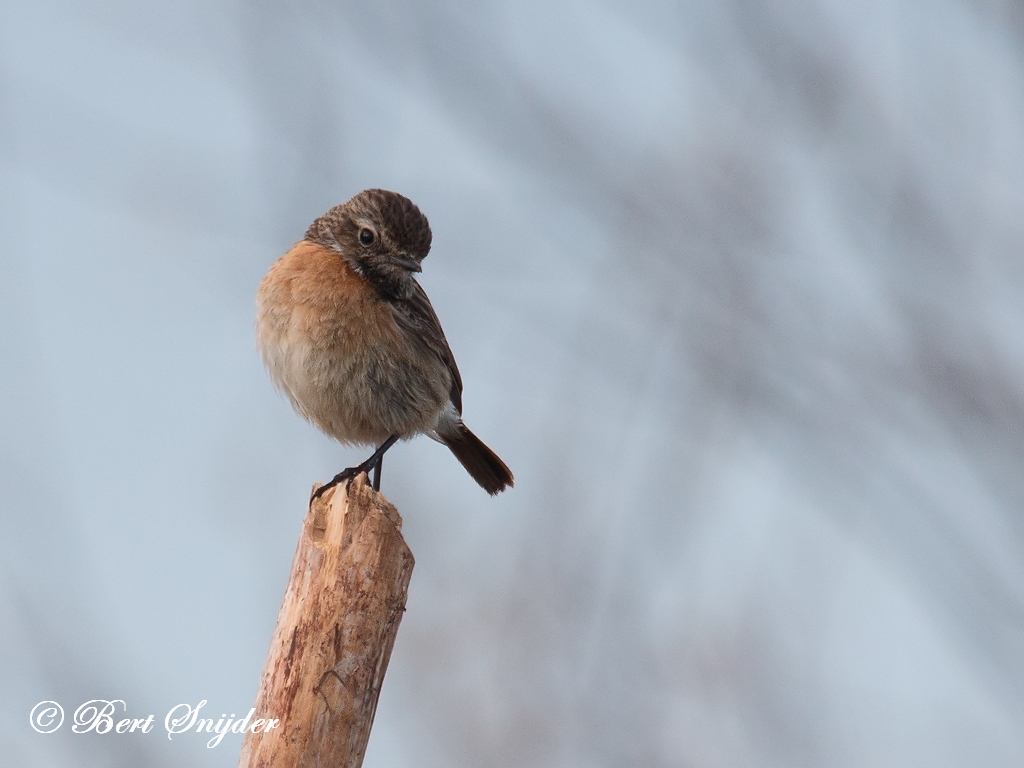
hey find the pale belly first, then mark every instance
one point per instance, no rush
(361, 398)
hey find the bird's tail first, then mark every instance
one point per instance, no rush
(479, 460)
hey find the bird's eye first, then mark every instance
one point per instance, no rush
(366, 236)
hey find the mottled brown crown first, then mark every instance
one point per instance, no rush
(397, 219)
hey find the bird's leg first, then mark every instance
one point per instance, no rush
(376, 473)
(347, 474)
(377, 459)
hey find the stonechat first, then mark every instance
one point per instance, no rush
(351, 338)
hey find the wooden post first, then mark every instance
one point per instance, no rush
(334, 634)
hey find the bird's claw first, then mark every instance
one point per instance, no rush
(344, 476)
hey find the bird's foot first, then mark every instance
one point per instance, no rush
(342, 477)
(374, 462)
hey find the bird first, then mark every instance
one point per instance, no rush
(349, 336)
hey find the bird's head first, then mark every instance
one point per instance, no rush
(382, 235)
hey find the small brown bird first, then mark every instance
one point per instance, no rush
(350, 337)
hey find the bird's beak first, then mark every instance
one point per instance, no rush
(407, 262)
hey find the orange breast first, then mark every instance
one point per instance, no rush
(312, 292)
(332, 346)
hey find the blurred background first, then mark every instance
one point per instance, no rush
(736, 289)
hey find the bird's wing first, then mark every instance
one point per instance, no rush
(419, 322)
